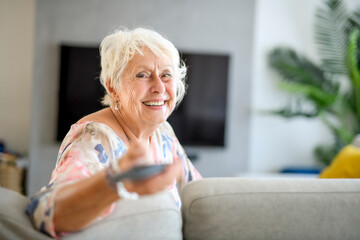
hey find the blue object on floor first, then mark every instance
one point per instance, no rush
(301, 170)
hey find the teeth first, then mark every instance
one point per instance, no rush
(154, 103)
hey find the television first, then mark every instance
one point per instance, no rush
(198, 121)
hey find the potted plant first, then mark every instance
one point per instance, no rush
(330, 90)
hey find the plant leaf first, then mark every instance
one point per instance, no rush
(325, 154)
(353, 63)
(303, 77)
(355, 18)
(341, 132)
(353, 58)
(318, 96)
(289, 113)
(355, 21)
(297, 107)
(332, 24)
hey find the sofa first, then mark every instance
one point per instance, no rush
(218, 208)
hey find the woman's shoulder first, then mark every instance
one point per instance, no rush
(166, 129)
(92, 124)
(91, 119)
(99, 116)
(89, 132)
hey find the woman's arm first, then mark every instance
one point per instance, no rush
(78, 204)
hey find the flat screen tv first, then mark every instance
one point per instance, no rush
(198, 121)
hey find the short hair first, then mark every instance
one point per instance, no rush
(118, 48)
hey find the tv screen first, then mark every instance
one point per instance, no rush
(198, 121)
(200, 118)
(80, 90)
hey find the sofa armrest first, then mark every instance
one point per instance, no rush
(14, 223)
(236, 208)
(151, 217)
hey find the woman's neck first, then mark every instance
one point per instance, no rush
(132, 129)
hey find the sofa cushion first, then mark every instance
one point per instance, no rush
(346, 164)
(150, 217)
(235, 208)
(14, 223)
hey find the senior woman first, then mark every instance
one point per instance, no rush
(144, 80)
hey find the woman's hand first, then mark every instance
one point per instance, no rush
(138, 155)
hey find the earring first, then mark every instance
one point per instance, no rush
(116, 106)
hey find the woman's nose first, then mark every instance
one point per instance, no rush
(157, 85)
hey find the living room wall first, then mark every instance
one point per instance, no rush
(17, 25)
(277, 142)
(199, 26)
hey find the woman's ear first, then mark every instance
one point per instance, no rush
(111, 90)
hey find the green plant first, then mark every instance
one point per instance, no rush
(330, 90)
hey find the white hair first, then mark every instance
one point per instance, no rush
(118, 48)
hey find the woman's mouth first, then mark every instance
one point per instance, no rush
(154, 103)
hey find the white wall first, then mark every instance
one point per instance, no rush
(202, 25)
(276, 142)
(17, 24)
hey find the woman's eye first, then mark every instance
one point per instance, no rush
(166, 76)
(141, 75)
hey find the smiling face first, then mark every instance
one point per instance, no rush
(147, 89)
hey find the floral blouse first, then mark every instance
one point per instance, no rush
(88, 148)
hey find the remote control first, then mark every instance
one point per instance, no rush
(140, 172)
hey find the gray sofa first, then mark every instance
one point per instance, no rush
(219, 208)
